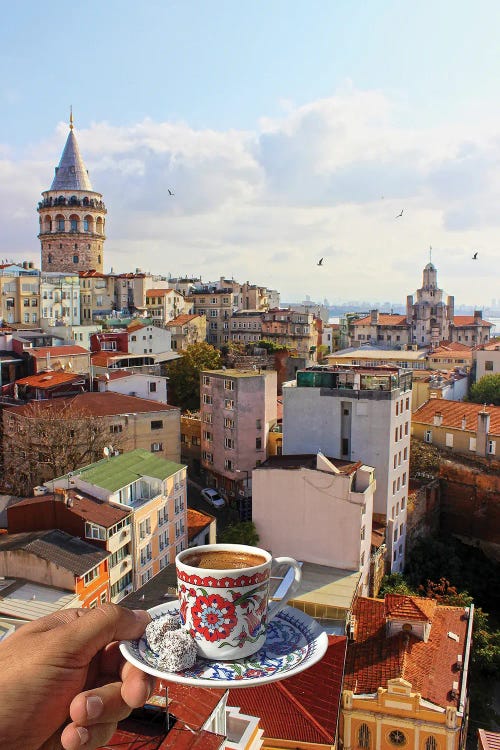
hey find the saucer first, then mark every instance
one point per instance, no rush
(294, 642)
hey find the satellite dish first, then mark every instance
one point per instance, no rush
(254, 367)
(105, 450)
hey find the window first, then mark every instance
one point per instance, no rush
(229, 423)
(407, 426)
(362, 560)
(206, 380)
(93, 531)
(207, 435)
(102, 597)
(157, 424)
(195, 440)
(162, 515)
(395, 535)
(491, 447)
(403, 481)
(488, 365)
(449, 440)
(408, 403)
(396, 435)
(207, 418)
(90, 576)
(395, 460)
(258, 444)
(362, 533)
(152, 387)
(229, 385)
(345, 446)
(428, 436)
(228, 464)
(364, 737)
(228, 443)
(228, 403)
(75, 258)
(403, 503)
(258, 424)
(115, 428)
(207, 399)
(397, 737)
(430, 743)
(394, 487)
(156, 447)
(405, 453)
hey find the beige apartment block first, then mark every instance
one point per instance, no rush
(96, 295)
(294, 330)
(191, 442)
(19, 298)
(217, 306)
(163, 305)
(487, 359)
(246, 326)
(238, 408)
(187, 330)
(463, 428)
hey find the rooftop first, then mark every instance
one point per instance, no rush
(331, 587)
(303, 708)
(71, 174)
(49, 379)
(306, 461)
(197, 522)
(469, 320)
(376, 657)
(119, 471)
(454, 412)
(372, 352)
(181, 320)
(56, 351)
(102, 404)
(26, 600)
(86, 507)
(384, 319)
(57, 547)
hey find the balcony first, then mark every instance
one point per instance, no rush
(120, 569)
(119, 539)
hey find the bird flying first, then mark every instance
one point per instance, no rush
(397, 217)
(171, 192)
(320, 262)
(474, 257)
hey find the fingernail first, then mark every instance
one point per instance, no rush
(94, 706)
(83, 734)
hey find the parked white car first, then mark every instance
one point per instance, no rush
(213, 497)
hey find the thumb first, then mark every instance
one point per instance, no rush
(95, 628)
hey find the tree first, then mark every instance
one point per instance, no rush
(486, 390)
(424, 459)
(47, 439)
(395, 583)
(240, 533)
(184, 374)
(445, 593)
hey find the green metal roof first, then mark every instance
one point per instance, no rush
(119, 471)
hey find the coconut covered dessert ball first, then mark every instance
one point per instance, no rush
(177, 651)
(156, 629)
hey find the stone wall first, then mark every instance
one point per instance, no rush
(423, 512)
(61, 250)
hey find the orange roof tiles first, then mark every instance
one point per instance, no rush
(384, 319)
(105, 403)
(56, 351)
(102, 358)
(448, 348)
(159, 292)
(469, 320)
(304, 708)
(453, 413)
(135, 326)
(197, 521)
(46, 380)
(402, 607)
(91, 509)
(181, 320)
(375, 657)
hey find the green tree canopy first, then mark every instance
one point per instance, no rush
(486, 390)
(240, 533)
(184, 374)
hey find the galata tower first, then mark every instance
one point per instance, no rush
(72, 216)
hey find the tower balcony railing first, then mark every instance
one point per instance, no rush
(77, 202)
(86, 232)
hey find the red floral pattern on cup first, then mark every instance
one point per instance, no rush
(223, 583)
(213, 616)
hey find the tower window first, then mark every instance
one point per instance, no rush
(76, 246)
(60, 225)
(49, 258)
(85, 225)
(74, 225)
(60, 246)
(75, 258)
(98, 258)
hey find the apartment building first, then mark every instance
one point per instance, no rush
(246, 326)
(294, 330)
(96, 295)
(463, 428)
(130, 290)
(59, 299)
(106, 526)
(357, 414)
(163, 305)
(129, 383)
(155, 490)
(405, 682)
(317, 510)
(187, 330)
(487, 359)
(238, 407)
(57, 559)
(137, 338)
(217, 306)
(19, 294)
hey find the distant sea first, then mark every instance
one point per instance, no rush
(494, 331)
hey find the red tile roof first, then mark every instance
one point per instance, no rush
(102, 358)
(159, 292)
(56, 351)
(384, 319)
(448, 348)
(181, 320)
(135, 326)
(106, 403)
(197, 521)
(375, 657)
(46, 380)
(304, 708)
(399, 607)
(453, 413)
(460, 321)
(91, 509)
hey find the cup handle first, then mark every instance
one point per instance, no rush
(275, 607)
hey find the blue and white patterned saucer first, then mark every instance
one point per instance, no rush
(294, 642)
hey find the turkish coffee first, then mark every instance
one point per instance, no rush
(223, 559)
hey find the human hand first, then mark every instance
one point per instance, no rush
(68, 666)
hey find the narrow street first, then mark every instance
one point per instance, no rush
(225, 516)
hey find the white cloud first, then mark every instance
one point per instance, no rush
(326, 179)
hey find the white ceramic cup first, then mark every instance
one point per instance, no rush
(227, 610)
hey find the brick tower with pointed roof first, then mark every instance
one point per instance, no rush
(72, 216)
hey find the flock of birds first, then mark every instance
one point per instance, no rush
(321, 260)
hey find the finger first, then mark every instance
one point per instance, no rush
(99, 706)
(136, 686)
(75, 737)
(102, 625)
(63, 617)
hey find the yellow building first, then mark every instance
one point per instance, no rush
(462, 427)
(405, 682)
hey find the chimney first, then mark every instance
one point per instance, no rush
(409, 308)
(374, 317)
(483, 428)
(464, 422)
(438, 419)
(478, 317)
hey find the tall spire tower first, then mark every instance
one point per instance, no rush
(72, 216)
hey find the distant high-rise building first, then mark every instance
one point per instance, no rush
(72, 216)
(357, 414)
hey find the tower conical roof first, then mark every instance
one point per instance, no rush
(71, 174)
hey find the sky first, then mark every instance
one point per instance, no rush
(288, 131)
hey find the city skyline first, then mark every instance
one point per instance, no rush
(300, 148)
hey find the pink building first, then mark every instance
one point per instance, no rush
(238, 408)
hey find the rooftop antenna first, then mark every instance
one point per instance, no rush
(71, 125)
(430, 253)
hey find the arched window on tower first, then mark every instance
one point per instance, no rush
(48, 224)
(60, 223)
(75, 258)
(73, 223)
(99, 225)
(88, 224)
(49, 258)
(99, 259)
(364, 737)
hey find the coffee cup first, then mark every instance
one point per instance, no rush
(224, 597)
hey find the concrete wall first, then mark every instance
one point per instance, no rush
(22, 564)
(138, 385)
(150, 340)
(487, 355)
